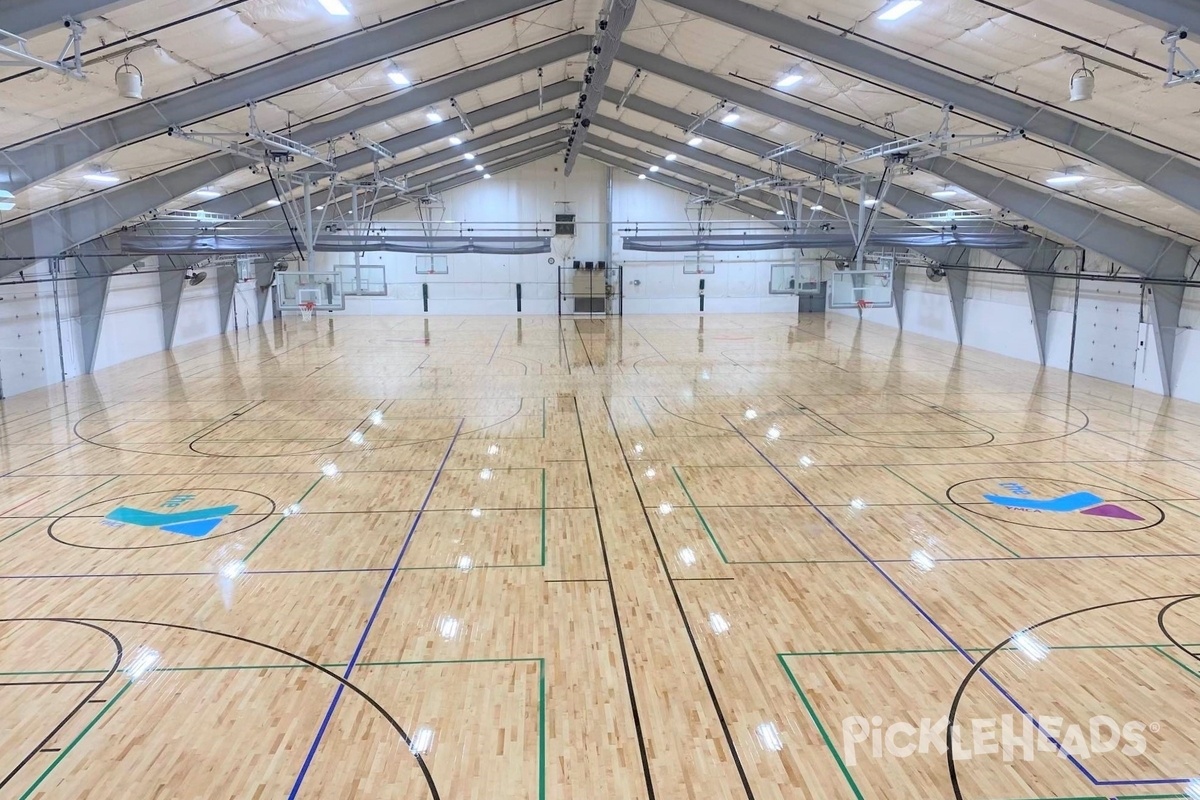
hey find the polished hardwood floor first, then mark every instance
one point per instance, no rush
(659, 557)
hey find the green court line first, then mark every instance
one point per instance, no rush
(541, 662)
(56, 510)
(543, 418)
(79, 737)
(543, 517)
(812, 713)
(1133, 488)
(1177, 662)
(274, 527)
(703, 521)
(982, 532)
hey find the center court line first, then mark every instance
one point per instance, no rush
(945, 635)
(312, 750)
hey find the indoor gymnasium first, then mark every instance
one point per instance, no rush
(600, 399)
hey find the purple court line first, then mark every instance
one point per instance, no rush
(312, 750)
(945, 635)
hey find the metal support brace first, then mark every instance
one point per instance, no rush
(92, 293)
(1040, 287)
(170, 290)
(264, 275)
(1176, 75)
(69, 62)
(226, 285)
(956, 282)
(899, 282)
(462, 116)
(1167, 303)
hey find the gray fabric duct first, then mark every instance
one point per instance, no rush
(830, 240)
(275, 243)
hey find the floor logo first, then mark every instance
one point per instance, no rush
(196, 523)
(1088, 503)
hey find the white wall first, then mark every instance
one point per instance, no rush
(132, 326)
(1112, 336)
(654, 283)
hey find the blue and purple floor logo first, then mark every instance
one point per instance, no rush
(1055, 504)
(1085, 502)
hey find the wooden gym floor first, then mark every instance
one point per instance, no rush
(664, 557)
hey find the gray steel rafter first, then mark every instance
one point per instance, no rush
(56, 230)
(60, 151)
(1135, 247)
(1169, 174)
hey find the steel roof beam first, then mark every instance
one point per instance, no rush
(252, 196)
(60, 151)
(912, 203)
(53, 231)
(471, 177)
(1170, 15)
(608, 42)
(594, 152)
(29, 18)
(1168, 174)
(1137, 248)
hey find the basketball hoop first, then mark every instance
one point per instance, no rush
(863, 305)
(306, 310)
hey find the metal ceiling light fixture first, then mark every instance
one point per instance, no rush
(129, 81)
(1083, 84)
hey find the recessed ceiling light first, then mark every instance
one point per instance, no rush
(670, 157)
(397, 77)
(898, 9)
(1064, 180)
(871, 202)
(455, 141)
(433, 117)
(779, 213)
(207, 194)
(642, 177)
(945, 194)
(336, 7)
(487, 176)
(7, 201)
(272, 202)
(469, 156)
(654, 168)
(788, 81)
(696, 142)
(730, 118)
(818, 207)
(102, 177)
(479, 167)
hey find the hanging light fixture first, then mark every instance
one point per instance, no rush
(1083, 84)
(129, 81)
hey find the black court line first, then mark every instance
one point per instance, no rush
(712, 693)
(50, 683)
(612, 596)
(118, 654)
(583, 342)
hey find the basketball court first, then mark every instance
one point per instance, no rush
(660, 557)
(599, 400)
